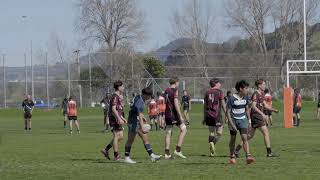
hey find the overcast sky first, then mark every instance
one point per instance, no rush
(45, 17)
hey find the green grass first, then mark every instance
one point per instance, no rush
(50, 153)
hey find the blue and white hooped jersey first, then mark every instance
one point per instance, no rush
(238, 106)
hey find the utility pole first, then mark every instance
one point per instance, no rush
(4, 81)
(47, 81)
(79, 83)
(32, 83)
(26, 74)
(90, 78)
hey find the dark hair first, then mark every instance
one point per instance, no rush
(296, 90)
(214, 81)
(185, 91)
(228, 93)
(147, 91)
(241, 84)
(117, 84)
(259, 82)
(173, 80)
(266, 91)
(152, 96)
(70, 98)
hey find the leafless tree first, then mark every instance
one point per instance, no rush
(110, 23)
(251, 16)
(194, 22)
(288, 19)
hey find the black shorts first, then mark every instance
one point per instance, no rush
(153, 117)
(296, 110)
(116, 127)
(268, 112)
(318, 105)
(242, 131)
(161, 114)
(27, 115)
(72, 118)
(216, 122)
(105, 112)
(173, 121)
(186, 108)
(257, 121)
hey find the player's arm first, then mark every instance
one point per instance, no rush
(115, 112)
(248, 114)
(224, 106)
(254, 105)
(32, 106)
(177, 105)
(205, 105)
(266, 106)
(142, 120)
(23, 107)
(230, 121)
(68, 110)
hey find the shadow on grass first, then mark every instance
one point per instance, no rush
(93, 160)
(101, 161)
(204, 163)
(205, 155)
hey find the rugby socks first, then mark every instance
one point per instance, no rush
(148, 149)
(269, 151)
(298, 122)
(64, 124)
(116, 154)
(167, 152)
(127, 149)
(25, 125)
(108, 147)
(211, 139)
(238, 148)
(178, 148)
(214, 139)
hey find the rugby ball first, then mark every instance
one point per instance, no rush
(146, 128)
(103, 105)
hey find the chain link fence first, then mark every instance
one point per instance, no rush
(89, 76)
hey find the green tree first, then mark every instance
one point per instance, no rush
(98, 78)
(154, 67)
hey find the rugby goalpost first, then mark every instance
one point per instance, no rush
(297, 67)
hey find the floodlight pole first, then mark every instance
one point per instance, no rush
(90, 78)
(32, 83)
(4, 81)
(47, 81)
(26, 74)
(305, 35)
(79, 76)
